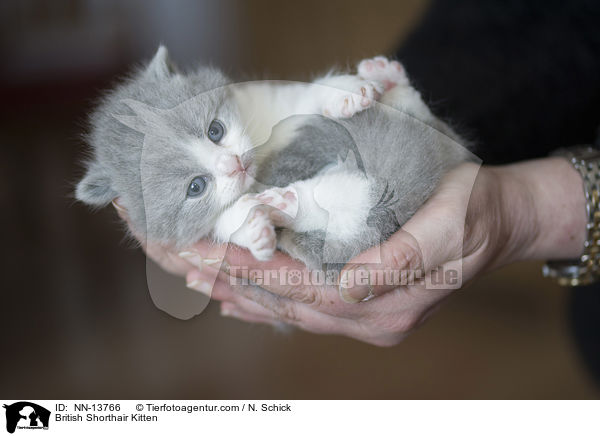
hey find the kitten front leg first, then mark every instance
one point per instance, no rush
(263, 104)
(350, 94)
(342, 96)
(247, 223)
(284, 200)
(336, 200)
(294, 206)
(398, 92)
(387, 72)
(324, 219)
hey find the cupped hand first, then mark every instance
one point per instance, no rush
(432, 239)
(477, 219)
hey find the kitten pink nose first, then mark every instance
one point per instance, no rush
(229, 164)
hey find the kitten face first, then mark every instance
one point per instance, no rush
(195, 162)
(172, 147)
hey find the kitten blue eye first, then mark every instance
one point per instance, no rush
(197, 186)
(216, 130)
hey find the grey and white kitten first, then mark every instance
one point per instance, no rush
(321, 170)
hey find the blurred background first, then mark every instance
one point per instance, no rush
(76, 316)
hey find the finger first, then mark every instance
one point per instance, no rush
(262, 303)
(224, 287)
(239, 263)
(252, 298)
(315, 321)
(168, 260)
(397, 262)
(282, 276)
(210, 284)
(285, 309)
(199, 263)
(254, 308)
(205, 254)
(320, 323)
(233, 311)
(238, 258)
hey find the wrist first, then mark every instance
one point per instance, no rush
(544, 204)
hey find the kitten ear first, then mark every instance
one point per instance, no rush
(348, 162)
(161, 66)
(144, 119)
(95, 188)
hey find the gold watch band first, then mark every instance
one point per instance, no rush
(586, 269)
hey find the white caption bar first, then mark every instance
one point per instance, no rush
(249, 417)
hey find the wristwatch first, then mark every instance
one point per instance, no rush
(586, 269)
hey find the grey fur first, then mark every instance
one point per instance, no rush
(123, 156)
(319, 142)
(402, 157)
(143, 163)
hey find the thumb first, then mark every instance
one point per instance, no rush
(431, 238)
(426, 241)
(380, 269)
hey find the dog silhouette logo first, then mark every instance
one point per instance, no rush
(26, 415)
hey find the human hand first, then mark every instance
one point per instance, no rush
(432, 238)
(478, 219)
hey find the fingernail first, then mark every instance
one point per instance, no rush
(225, 311)
(354, 284)
(211, 261)
(200, 286)
(187, 254)
(193, 258)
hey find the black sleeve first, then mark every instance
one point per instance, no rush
(518, 77)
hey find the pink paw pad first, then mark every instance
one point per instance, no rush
(283, 199)
(265, 199)
(361, 94)
(261, 234)
(388, 73)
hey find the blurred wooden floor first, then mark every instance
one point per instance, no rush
(77, 320)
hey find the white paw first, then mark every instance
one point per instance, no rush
(259, 234)
(388, 73)
(282, 199)
(349, 95)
